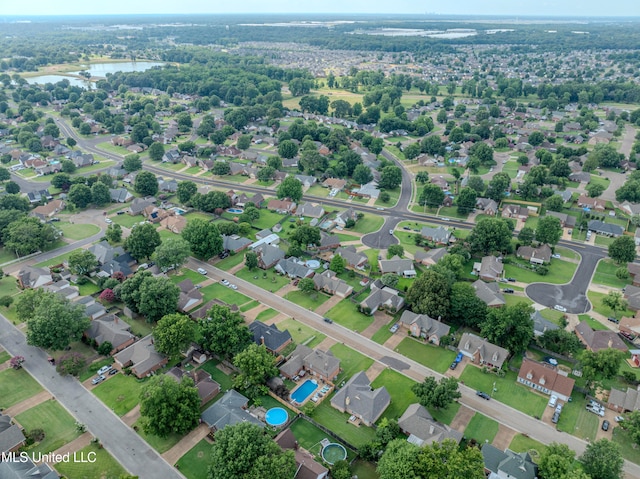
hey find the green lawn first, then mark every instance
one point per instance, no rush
(139, 327)
(248, 306)
(301, 333)
(628, 446)
(508, 390)
(4, 357)
(434, 357)
(8, 287)
(230, 261)
(346, 313)
(560, 272)
(92, 369)
(452, 212)
(351, 361)
(338, 423)
(104, 466)
(522, 443)
(267, 219)
(273, 281)
(160, 444)
(606, 274)
(195, 463)
(407, 240)
(58, 425)
(223, 293)
(127, 220)
(481, 428)
(186, 273)
(598, 307)
(221, 378)
(309, 436)
(6, 256)
(593, 323)
(88, 288)
(576, 420)
(308, 301)
(121, 393)
(383, 334)
(511, 300)
(368, 224)
(77, 231)
(364, 469)
(603, 240)
(53, 261)
(267, 314)
(16, 386)
(399, 388)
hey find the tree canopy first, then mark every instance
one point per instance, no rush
(171, 253)
(437, 394)
(490, 235)
(173, 333)
(622, 249)
(224, 332)
(256, 366)
(290, 188)
(429, 294)
(510, 327)
(143, 241)
(203, 238)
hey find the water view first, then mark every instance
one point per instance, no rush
(98, 70)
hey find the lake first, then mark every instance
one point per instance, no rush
(97, 70)
(42, 79)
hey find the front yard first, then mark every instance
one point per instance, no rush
(606, 274)
(104, 466)
(195, 463)
(351, 362)
(301, 333)
(306, 300)
(346, 313)
(434, 357)
(269, 282)
(598, 307)
(58, 425)
(121, 393)
(560, 272)
(16, 386)
(481, 428)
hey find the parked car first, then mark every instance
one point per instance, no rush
(613, 320)
(202, 271)
(619, 418)
(224, 282)
(390, 232)
(453, 365)
(605, 425)
(626, 335)
(108, 221)
(597, 411)
(555, 418)
(98, 380)
(233, 286)
(104, 369)
(553, 400)
(112, 372)
(327, 320)
(508, 290)
(483, 395)
(512, 280)
(556, 256)
(394, 328)
(562, 309)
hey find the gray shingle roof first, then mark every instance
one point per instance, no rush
(273, 338)
(357, 397)
(229, 411)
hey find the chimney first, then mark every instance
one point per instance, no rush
(610, 343)
(262, 340)
(431, 429)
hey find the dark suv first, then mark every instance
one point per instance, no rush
(483, 395)
(327, 320)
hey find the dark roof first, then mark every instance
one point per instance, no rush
(10, 434)
(26, 469)
(229, 410)
(273, 338)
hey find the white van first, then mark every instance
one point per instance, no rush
(553, 400)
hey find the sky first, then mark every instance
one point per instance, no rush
(455, 7)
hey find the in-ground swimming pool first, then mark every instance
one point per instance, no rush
(307, 388)
(237, 211)
(334, 452)
(276, 416)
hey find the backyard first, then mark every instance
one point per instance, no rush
(309, 437)
(58, 425)
(399, 388)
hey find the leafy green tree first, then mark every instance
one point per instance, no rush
(158, 298)
(243, 142)
(337, 264)
(156, 151)
(129, 291)
(146, 184)
(615, 301)
(554, 203)
(430, 294)
(306, 235)
(171, 253)
(622, 249)
(68, 166)
(431, 196)
(224, 332)
(114, 233)
(80, 195)
(203, 238)
(466, 200)
(498, 186)
(422, 177)
(436, 394)
(244, 451)
(173, 333)
(251, 260)
(412, 151)
(526, 236)
(168, 406)
(560, 341)
(556, 460)
(341, 470)
(28, 235)
(390, 280)
(62, 181)
(362, 175)
(466, 308)
(476, 183)
(290, 188)
(287, 149)
(186, 190)
(143, 241)
(602, 460)
(12, 187)
(307, 286)
(549, 230)
(70, 364)
(482, 152)
(132, 162)
(256, 366)
(595, 189)
(395, 250)
(489, 235)
(510, 327)
(431, 145)
(390, 177)
(632, 425)
(100, 194)
(82, 261)
(55, 322)
(606, 156)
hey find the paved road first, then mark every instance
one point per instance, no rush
(506, 415)
(128, 448)
(572, 295)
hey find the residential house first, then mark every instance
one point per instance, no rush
(306, 465)
(323, 365)
(171, 156)
(310, 210)
(598, 340)
(353, 258)
(92, 309)
(235, 243)
(104, 252)
(207, 387)
(508, 464)
(293, 268)
(490, 269)
(141, 357)
(487, 205)
(632, 295)
(328, 282)
(580, 177)
(422, 429)
(624, 401)
(439, 235)
(489, 293)
(429, 258)
(481, 351)
(515, 211)
(11, 436)
(344, 216)
(636, 236)
(597, 204)
(634, 273)
(190, 296)
(566, 221)
(357, 398)
(334, 184)
(370, 190)
(174, 223)
(566, 195)
(120, 195)
(328, 241)
(440, 182)
(138, 205)
(170, 186)
(605, 229)
(154, 215)
(306, 180)
(423, 326)
(49, 210)
(270, 336)
(631, 209)
(110, 329)
(629, 325)
(539, 255)
(203, 312)
(229, 410)
(281, 206)
(396, 265)
(546, 379)
(63, 289)
(541, 325)
(382, 296)
(38, 196)
(268, 256)
(32, 277)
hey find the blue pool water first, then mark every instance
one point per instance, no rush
(237, 211)
(304, 391)
(276, 416)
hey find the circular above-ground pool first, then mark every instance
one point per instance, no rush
(276, 416)
(334, 452)
(313, 264)
(237, 211)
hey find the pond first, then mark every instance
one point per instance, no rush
(101, 69)
(42, 79)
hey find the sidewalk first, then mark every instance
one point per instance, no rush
(186, 444)
(74, 446)
(33, 401)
